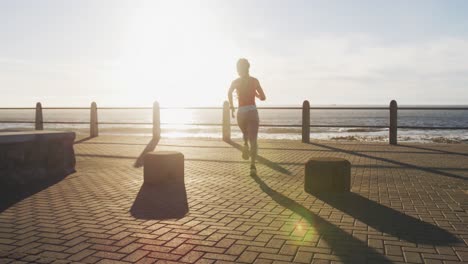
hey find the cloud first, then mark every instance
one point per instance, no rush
(358, 68)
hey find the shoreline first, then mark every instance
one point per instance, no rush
(283, 134)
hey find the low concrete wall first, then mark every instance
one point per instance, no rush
(31, 156)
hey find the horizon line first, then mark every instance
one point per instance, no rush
(217, 106)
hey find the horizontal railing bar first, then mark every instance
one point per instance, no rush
(271, 125)
(65, 108)
(278, 108)
(17, 108)
(124, 108)
(261, 125)
(125, 123)
(260, 108)
(18, 122)
(383, 108)
(64, 122)
(348, 108)
(350, 126)
(432, 108)
(422, 127)
(192, 108)
(192, 124)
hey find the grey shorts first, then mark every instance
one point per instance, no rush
(248, 122)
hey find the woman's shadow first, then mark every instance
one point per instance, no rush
(347, 247)
(262, 160)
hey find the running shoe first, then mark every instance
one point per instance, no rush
(253, 170)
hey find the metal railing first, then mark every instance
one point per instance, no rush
(226, 118)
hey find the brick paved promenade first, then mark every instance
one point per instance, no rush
(408, 204)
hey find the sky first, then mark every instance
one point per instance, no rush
(183, 53)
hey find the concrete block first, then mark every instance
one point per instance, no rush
(327, 174)
(164, 167)
(29, 156)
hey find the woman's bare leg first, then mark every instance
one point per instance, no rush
(242, 121)
(252, 132)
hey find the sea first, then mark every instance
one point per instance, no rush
(200, 123)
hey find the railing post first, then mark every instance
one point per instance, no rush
(156, 121)
(306, 122)
(93, 124)
(226, 122)
(393, 123)
(39, 119)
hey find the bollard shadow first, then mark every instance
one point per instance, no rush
(348, 248)
(387, 220)
(158, 202)
(262, 160)
(82, 140)
(433, 150)
(150, 147)
(10, 194)
(399, 163)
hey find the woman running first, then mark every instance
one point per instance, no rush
(247, 88)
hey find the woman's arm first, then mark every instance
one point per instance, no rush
(259, 92)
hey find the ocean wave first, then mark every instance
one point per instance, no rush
(365, 130)
(360, 138)
(281, 130)
(415, 139)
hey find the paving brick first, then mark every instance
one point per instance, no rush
(247, 256)
(393, 250)
(175, 242)
(90, 259)
(413, 257)
(191, 257)
(288, 250)
(100, 247)
(441, 257)
(235, 250)
(463, 255)
(109, 255)
(135, 256)
(275, 257)
(81, 255)
(225, 242)
(54, 255)
(77, 248)
(206, 261)
(183, 249)
(125, 241)
(112, 261)
(146, 260)
(157, 248)
(303, 257)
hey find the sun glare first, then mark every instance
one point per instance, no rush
(176, 54)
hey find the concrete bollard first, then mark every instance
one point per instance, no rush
(39, 123)
(164, 167)
(327, 174)
(93, 124)
(393, 129)
(156, 121)
(226, 121)
(306, 122)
